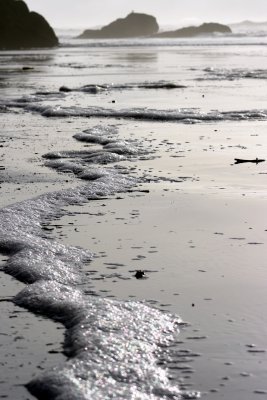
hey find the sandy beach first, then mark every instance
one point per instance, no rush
(194, 221)
(201, 242)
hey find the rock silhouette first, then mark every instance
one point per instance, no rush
(134, 25)
(140, 25)
(191, 31)
(23, 29)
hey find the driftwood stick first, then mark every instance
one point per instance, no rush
(241, 160)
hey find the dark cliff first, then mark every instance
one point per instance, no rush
(134, 25)
(23, 29)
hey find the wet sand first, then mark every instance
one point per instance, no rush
(198, 231)
(201, 239)
(202, 244)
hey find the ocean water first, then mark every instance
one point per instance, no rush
(137, 123)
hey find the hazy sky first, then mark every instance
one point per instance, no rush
(89, 13)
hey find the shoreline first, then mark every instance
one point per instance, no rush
(161, 213)
(198, 230)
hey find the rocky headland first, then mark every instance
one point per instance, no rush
(21, 28)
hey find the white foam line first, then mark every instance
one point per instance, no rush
(190, 116)
(33, 256)
(113, 345)
(178, 115)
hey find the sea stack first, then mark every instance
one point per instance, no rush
(21, 28)
(134, 25)
(192, 31)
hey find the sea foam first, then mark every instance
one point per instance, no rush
(233, 74)
(94, 89)
(85, 163)
(146, 114)
(37, 104)
(114, 348)
(35, 256)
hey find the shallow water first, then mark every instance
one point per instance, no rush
(116, 175)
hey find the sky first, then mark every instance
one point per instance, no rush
(93, 13)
